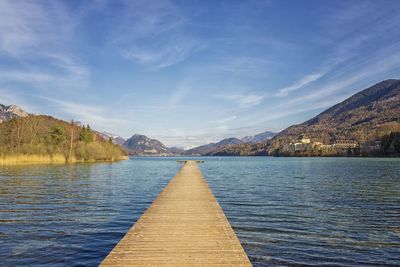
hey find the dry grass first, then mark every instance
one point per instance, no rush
(32, 159)
(42, 159)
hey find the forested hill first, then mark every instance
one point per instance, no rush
(367, 123)
(364, 118)
(49, 139)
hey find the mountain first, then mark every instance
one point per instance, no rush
(141, 145)
(245, 149)
(209, 148)
(176, 150)
(228, 141)
(12, 111)
(114, 137)
(258, 138)
(248, 145)
(200, 150)
(363, 118)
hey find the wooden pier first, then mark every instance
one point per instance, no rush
(185, 226)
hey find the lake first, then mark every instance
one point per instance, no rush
(285, 211)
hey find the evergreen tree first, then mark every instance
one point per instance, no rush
(391, 143)
(86, 134)
(58, 136)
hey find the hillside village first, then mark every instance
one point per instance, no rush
(306, 146)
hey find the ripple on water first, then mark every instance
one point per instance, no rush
(285, 211)
(311, 211)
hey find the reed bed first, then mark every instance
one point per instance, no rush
(6, 160)
(32, 159)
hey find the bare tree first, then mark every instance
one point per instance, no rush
(33, 125)
(71, 140)
(19, 134)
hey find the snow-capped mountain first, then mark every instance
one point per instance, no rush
(208, 148)
(12, 111)
(258, 138)
(114, 137)
(142, 145)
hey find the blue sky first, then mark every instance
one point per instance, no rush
(193, 72)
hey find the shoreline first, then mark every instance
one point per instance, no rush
(57, 159)
(275, 156)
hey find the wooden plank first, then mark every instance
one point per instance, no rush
(185, 226)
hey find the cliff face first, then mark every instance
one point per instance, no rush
(10, 112)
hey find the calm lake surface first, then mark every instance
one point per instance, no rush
(285, 211)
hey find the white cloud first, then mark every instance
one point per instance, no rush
(373, 69)
(177, 97)
(166, 55)
(241, 65)
(25, 77)
(225, 120)
(154, 34)
(59, 71)
(9, 96)
(19, 25)
(300, 83)
(244, 100)
(97, 116)
(33, 34)
(25, 25)
(337, 87)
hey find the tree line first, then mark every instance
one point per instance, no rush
(45, 135)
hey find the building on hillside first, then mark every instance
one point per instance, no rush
(302, 143)
(345, 144)
(325, 147)
(303, 139)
